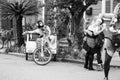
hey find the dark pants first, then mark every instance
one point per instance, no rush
(89, 60)
(90, 55)
(98, 51)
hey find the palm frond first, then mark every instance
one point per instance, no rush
(22, 7)
(7, 5)
(5, 16)
(27, 3)
(31, 4)
(30, 13)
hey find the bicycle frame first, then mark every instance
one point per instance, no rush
(52, 44)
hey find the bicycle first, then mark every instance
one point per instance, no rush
(42, 48)
(43, 54)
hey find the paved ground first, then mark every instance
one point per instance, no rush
(16, 68)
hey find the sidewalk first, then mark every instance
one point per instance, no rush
(115, 63)
(2, 51)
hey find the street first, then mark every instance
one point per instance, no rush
(17, 68)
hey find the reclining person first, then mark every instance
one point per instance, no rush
(41, 29)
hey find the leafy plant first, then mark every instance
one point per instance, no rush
(76, 9)
(17, 9)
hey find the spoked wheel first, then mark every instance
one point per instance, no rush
(42, 58)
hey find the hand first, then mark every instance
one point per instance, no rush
(87, 31)
(119, 31)
(25, 32)
(104, 26)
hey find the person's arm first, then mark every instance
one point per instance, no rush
(119, 31)
(47, 30)
(112, 29)
(106, 15)
(89, 32)
(25, 32)
(34, 31)
(116, 9)
(98, 32)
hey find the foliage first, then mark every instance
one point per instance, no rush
(76, 9)
(62, 25)
(17, 9)
(21, 7)
(60, 15)
(49, 16)
(68, 12)
(117, 0)
(27, 27)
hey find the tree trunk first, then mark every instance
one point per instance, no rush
(19, 30)
(77, 29)
(73, 25)
(79, 32)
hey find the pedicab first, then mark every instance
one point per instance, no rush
(40, 47)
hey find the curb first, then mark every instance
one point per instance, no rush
(14, 54)
(64, 60)
(17, 54)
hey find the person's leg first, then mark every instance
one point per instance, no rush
(119, 53)
(54, 57)
(86, 60)
(87, 48)
(91, 58)
(107, 65)
(99, 60)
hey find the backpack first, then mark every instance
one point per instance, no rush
(116, 40)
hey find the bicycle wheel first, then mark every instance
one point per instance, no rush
(42, 58)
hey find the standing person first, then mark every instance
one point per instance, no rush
(109, 34)
(92, 33)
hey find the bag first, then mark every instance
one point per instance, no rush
(91, 42)
(100, 42)
(85, 46)
(116, 40)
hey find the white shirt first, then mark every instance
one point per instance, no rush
(47, 31)
(94, 28)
